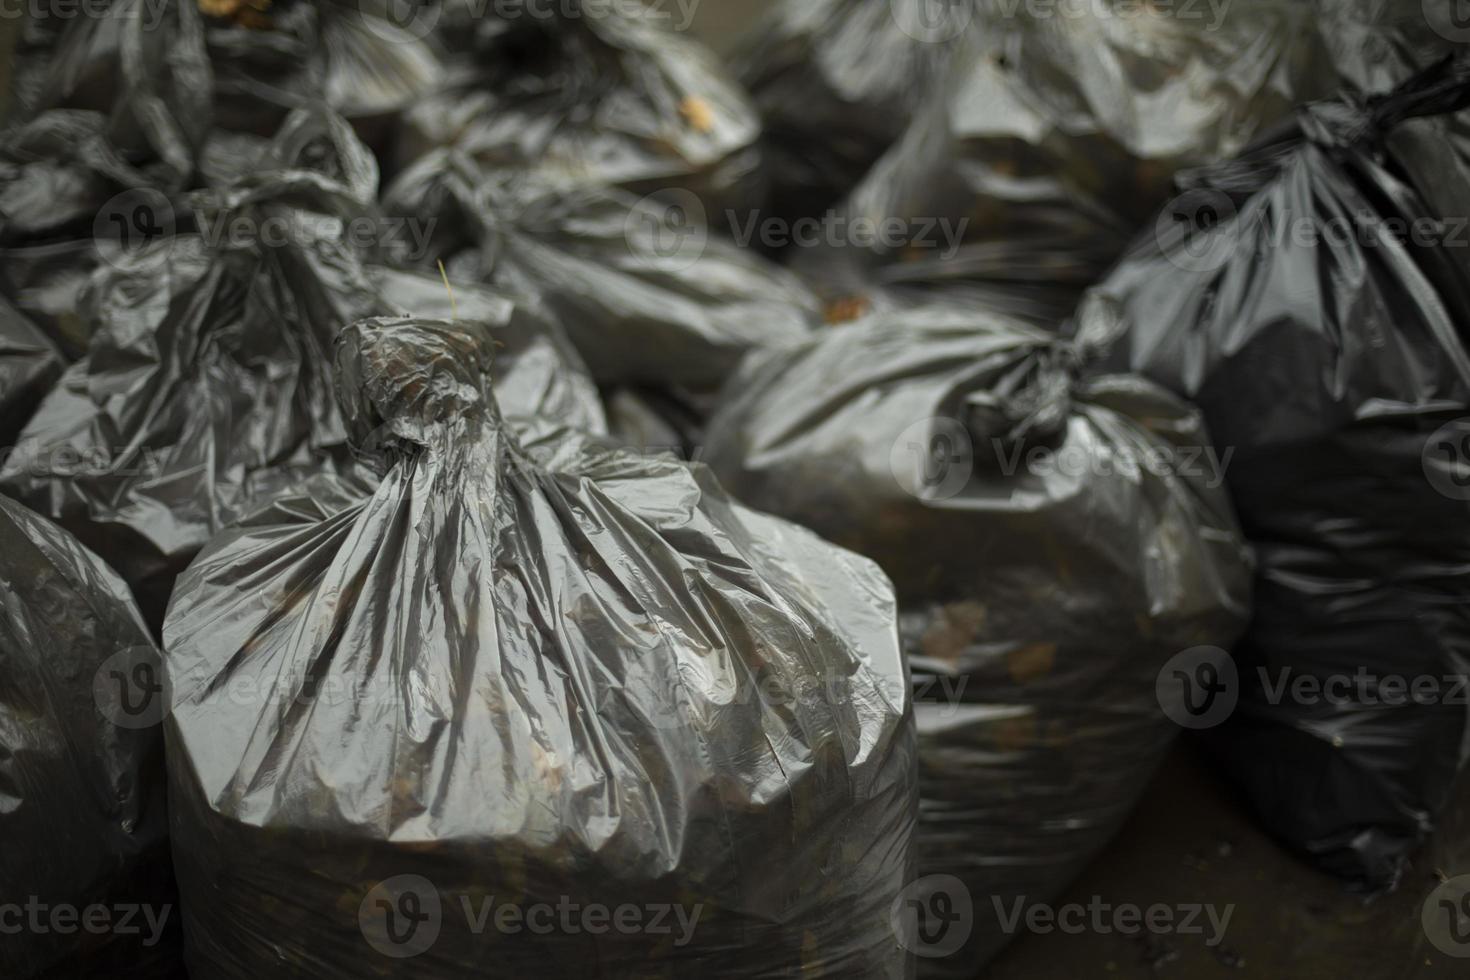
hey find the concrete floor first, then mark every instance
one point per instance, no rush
(1191, 840)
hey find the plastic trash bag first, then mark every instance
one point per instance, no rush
(529, 674)
(836, 82)
(249, 65)
(1059, 136)
(82, 790)
(1378, 44)
(270, 59)
(589, 97)
(57, 174)
(45, 283)
(1305, 298)
(1053, 542)
(29, 366)
(657, 420)
(142, 66)
(208, 380)
(644, 290)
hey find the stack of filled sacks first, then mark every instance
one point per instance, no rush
(1054, 542)
(206, 385)
(523, 671)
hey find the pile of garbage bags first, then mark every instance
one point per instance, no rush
(439, 539)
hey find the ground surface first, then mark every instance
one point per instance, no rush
(1191, 841)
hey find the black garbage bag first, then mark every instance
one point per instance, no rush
(593, 96)
(29, 365)
(82, 787)
(1053, 542)
(58, 175)
(1313, 305)
(644, 290)
(250, 64)
(1059, 135)
(530, 675)
(837, 81)
(1378, 44)
(657, 419)
(208, 378)
(141, 68)
(45, 283)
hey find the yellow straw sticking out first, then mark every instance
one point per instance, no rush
(453, 306)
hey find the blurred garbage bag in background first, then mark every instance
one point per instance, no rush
(1307, 298)
(593, 96)
(837, 81)
(1057, 138)
(536, 672)
(644, 289)
(183, 71)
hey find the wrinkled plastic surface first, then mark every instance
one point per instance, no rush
(238, 65)
(1053, 542)
(647, 292)
(29, 365)
(45, 283)
(1058, 136)
(589, 97)
(559, 675)
(58, 171)
(1326, 352)
(208, 381)
(82, 808)
(133, 85)
(836, 82)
